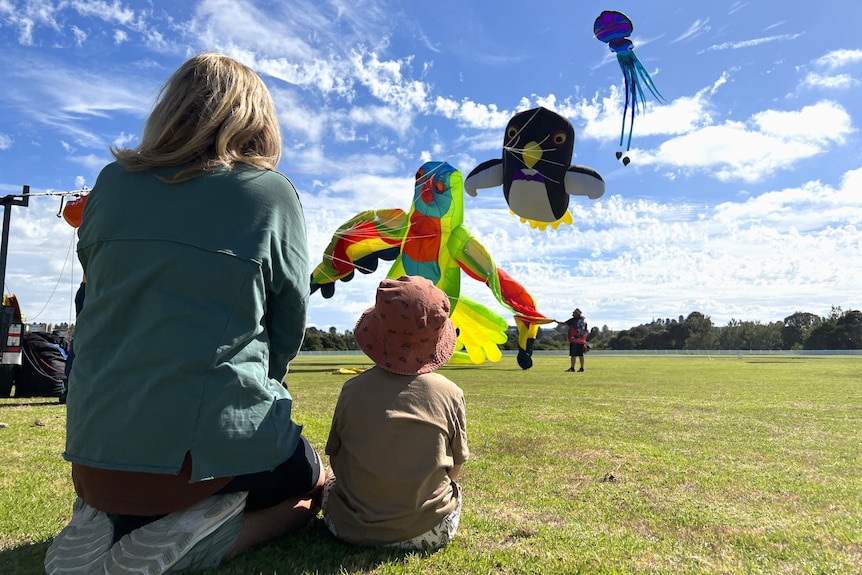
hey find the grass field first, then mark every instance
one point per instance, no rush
(641, 464)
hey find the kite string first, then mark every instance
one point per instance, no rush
(72, 316)
(59, 278)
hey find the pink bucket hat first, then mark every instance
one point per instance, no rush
(408, 330)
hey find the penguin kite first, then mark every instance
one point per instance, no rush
(535, 170)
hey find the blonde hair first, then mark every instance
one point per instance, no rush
(211, 113)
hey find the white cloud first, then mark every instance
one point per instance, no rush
(29, 16)
(92, 162)
(821, 123)
(753, 150)
(839, 59)
(472, 114)
(227, 23)
(386, 82)
(107, 11)
(778, 248)
(604, 116)
(831, 62)
(5, 142)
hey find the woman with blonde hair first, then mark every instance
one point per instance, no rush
(179, 426)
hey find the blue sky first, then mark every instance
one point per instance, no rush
(743, 199)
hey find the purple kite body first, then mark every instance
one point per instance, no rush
(614, 28)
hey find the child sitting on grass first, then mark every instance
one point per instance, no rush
(398, 437)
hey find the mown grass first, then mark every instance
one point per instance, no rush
(639, 465)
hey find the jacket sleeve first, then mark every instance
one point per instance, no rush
(287, 304)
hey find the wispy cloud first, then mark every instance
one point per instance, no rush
(835, 82)
(76, 97)
(697, 28)
(751, 43)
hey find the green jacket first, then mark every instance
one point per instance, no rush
(196, 302)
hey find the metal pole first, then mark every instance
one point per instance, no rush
(7, 202)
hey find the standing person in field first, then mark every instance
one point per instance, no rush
(398, 437)
(577, 327)
(179, 428)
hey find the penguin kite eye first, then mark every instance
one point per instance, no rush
(420, 173)
(512, 133)
(559, 138)
(440, 186)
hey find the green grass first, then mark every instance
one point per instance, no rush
(639, 465)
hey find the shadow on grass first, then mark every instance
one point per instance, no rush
(313, 550)
(25, 560)
(28, 402)
(497, 366)
(782, 360)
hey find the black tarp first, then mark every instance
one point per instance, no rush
(43, 365)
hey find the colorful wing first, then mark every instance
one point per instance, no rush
(476, 262)
(359, 244)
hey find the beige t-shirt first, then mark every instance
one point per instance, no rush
(392, 441)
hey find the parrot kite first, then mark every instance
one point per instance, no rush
(431, 241)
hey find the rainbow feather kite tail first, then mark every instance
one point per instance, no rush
(614, 28)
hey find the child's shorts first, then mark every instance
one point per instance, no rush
(435, 538)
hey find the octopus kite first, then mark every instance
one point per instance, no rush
(431, 241)
(614, 28)
(535, 169)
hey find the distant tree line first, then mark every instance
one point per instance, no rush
(801, 330)
(318, 340)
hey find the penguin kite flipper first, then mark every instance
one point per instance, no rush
(584, 181)
(488, 174)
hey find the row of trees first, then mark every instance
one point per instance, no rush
(801, 330)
